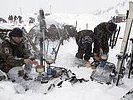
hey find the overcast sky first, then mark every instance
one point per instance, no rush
(18, 7)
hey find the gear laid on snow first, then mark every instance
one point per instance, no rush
(104, 72)
(26, 82)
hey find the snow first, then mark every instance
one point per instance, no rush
(66, 58)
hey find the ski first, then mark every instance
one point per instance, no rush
(122, 55)
(42, 37)
(131, 59)
(128, 95)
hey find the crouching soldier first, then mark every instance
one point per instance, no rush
(103, 32)
(105, 72)
(84, 40)
(14, 53)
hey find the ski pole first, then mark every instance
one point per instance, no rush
(113, 39)
(117, 36)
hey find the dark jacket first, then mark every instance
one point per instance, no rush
(103, 34)
(84, 40)
(80, 37)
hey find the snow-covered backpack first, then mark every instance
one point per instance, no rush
(104, 73)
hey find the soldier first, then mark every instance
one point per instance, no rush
(84, 40)
(20, 19)
(103, 32)
(15, 19)
(13, 52)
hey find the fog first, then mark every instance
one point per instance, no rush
(19, 7)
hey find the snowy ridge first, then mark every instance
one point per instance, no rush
(116, 9)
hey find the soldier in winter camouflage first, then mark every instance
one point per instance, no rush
(103, 32)
(13, 51)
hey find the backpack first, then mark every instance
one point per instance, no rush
(105, 72)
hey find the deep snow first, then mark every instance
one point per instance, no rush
(83, 91)
(66, 58)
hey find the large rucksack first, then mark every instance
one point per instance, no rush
(104, 73)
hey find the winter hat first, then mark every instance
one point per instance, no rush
(16, 32)
(111, 26)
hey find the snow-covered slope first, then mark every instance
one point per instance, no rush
(82, 91)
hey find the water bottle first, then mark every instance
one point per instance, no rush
(49, 71)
